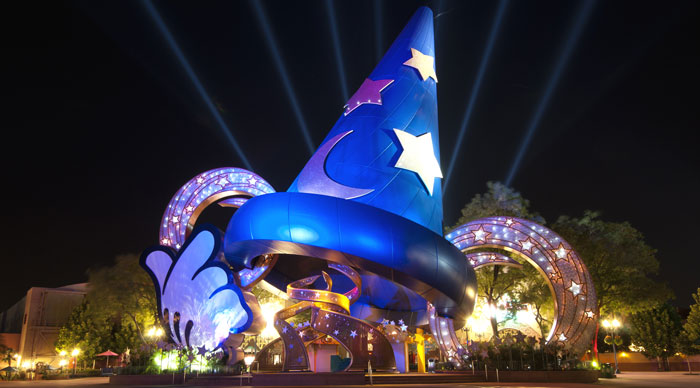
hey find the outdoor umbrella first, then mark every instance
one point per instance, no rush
(107, 353)
(8, 370)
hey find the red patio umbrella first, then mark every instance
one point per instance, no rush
(107, 353)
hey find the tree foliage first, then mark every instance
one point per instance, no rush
(7, 354)
(123, 292)
(119, 306)
(690, 337)
(534, 291)
(657, 330)
(498, 200)
(82, 331)
(494, 282)
(619, 261)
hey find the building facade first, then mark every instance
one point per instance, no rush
(31, 326)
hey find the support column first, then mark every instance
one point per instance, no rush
(420, 350)
(400, 355)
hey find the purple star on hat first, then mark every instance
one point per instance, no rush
(368, 93)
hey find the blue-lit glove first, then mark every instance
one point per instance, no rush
(197, 297)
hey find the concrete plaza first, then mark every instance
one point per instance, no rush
(624, 380)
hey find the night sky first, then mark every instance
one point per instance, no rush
(101, 125)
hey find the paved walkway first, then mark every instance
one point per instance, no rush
(624, 380)
(653, 379)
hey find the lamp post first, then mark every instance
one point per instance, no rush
(62, 362)
(74, 354)
(249, 354)
(613, 325)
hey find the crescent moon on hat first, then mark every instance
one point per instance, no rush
(314, 180)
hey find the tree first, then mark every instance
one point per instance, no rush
(657, 330)
(498, 200)
(494, 282)
(686, 347)
(619, 261)
(534, 291)
(7, 354)
(124, 292)
(688, 342)
(691, 328)
(120, 304)
(82, 331)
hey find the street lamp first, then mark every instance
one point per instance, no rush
(154, 332)
(608, 325)
(74, 354)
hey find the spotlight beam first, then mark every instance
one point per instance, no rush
(581, 19)
(493, 34)
(378, 29)
(155, 15)
(282, 70)
(330, 9)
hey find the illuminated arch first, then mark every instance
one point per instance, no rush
(230, 187)
(483, 259)
(567, 276)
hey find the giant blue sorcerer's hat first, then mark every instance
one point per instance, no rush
(370, 198)
(384, 151)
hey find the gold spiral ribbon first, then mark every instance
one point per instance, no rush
(330, 316)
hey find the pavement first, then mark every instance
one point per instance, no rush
(624, 380)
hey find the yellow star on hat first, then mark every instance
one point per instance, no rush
(425, 64)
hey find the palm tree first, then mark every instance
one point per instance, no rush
(7, 354)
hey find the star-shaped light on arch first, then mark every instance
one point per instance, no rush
(425, 64)
(418, 156)
(480, 234)
(575, 288)
(526, 245)
(561, 252)
(368, 93)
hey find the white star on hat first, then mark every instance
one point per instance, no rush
(425, 64)
(418, 156)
